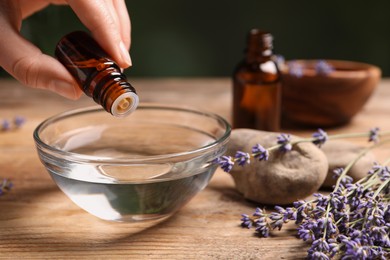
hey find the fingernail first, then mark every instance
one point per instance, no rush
(64, 88)
(125, 54)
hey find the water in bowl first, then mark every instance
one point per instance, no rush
(131, 192)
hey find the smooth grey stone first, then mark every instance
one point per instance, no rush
(286, 177)
(340, 153)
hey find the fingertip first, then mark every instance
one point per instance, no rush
(66, 89)
(126, 59)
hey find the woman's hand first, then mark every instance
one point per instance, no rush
(108, 21)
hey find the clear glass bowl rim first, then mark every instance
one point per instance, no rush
(75, 157)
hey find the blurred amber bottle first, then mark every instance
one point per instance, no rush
(96, 73)
(257, 86)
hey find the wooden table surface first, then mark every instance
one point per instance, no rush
(38, 221)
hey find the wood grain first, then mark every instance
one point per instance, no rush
(38, 221)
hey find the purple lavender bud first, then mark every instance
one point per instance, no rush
(318, 255)
(295, 69)
(5, 125)
(262, 227)
(260, 152)
(246, 221)
(376, 167)
(374, 135)
(323, 68)
(242, 158)
(280, 209)
(331, 228)
(290, 214)
(305, 234)
(285, 141)
(319, 247)
(258, 213)
(322, 201)
(225, 162)
(299, 203)
(337, 172)
(320, 137)
(333, 246)
(383, 172)
(19, 121)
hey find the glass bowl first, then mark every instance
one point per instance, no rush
(145, 166)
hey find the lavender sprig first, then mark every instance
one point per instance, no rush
(320, 137)
(374, 135)
(5, 125)
(285, 144)
(284, 140)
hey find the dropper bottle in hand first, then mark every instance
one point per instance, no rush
(98, 76)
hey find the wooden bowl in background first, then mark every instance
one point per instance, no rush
(313, 99)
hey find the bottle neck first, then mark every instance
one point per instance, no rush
(113, 92)
(259, 46)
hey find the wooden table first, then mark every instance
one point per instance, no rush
(38, 221)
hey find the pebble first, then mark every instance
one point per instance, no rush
(286, 177)
(340, 154)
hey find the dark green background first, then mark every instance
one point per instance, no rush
(205, 38)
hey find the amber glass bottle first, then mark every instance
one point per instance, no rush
(96, 73)
(257, 86)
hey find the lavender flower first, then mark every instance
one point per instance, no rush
(225, 162)
(337, 172)
(319, 249)
(374, 135)
(277, 220)
(5, 186)
(302, 207)
(383, 172)
(5, 125)
(295, 69)
(322, 201)
(354, 250)
(323, 68)
(305, 234)
(258, 213)
(260, 152)
(285, 141)
(262, 227)
(246, 221)
(242, 158)
(320, 137)
(380, 234)
(19, 121)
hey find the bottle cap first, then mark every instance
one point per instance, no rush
(124, 104)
